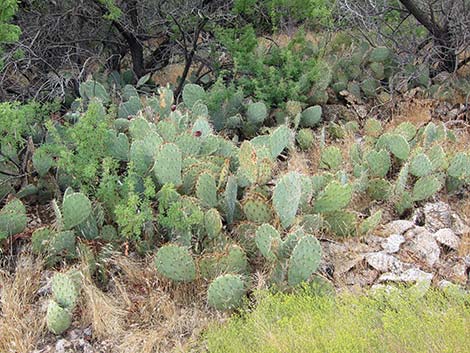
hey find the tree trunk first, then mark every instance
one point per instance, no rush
(445, 52)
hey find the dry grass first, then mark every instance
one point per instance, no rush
(21, 318)
(144, 313)
(136, 312)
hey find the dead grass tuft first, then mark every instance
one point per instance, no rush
(141, 312)
(21, 318)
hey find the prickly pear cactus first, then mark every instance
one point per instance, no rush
(379, 163)
(58, 319)
(398, 146)
(64, 291)
(176, 263)
(420, 165)
(257, 208)
(426, 187)
(459, 166)
(256, 113)
(333, 198)
(311, 116)
(168, 164)
(305, 138)
(193, 93)
(230, 198)
(331, 158)
(206, 190)
(268, 241)
(94, 89)
(212, 223)
(13, 219)
(42, 162)
(380, 55)
(75, 209)
(370, 223)
(226, 292)
(304, 260)
(286, 197)
(279, 140)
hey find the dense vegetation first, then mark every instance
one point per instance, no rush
(197, 173)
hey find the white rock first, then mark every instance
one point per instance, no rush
(426, 248)
(437, 216)
(410, 275)
(392, 244)
(383, 262)
(398, 227)
(447, 237)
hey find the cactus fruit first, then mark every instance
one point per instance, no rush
(256, 208)
(168, 164)
(311, 116)
(75, 209)
(206, 190)
(286, 197)
(226, 292)
(212, 223)
(304, 260)
(58, 319)
(420, 165)
(193, 93)
(333, 198)
(64, 291)
(268, 241)
(331, 158)
(176, 263)
(305, 138)
(426, 187)
(379, 163)
(13, 219)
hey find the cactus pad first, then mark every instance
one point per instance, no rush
(58, 319)
(268, 241)
(176, 263)
(286, 197)
(226, 292)
(64, 291)
(304, 260)
(75, 209)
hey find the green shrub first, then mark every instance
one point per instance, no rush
(402, 321)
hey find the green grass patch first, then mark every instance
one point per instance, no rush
(404, 321)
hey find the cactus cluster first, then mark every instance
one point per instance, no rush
(65, 291)
(209, 206)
